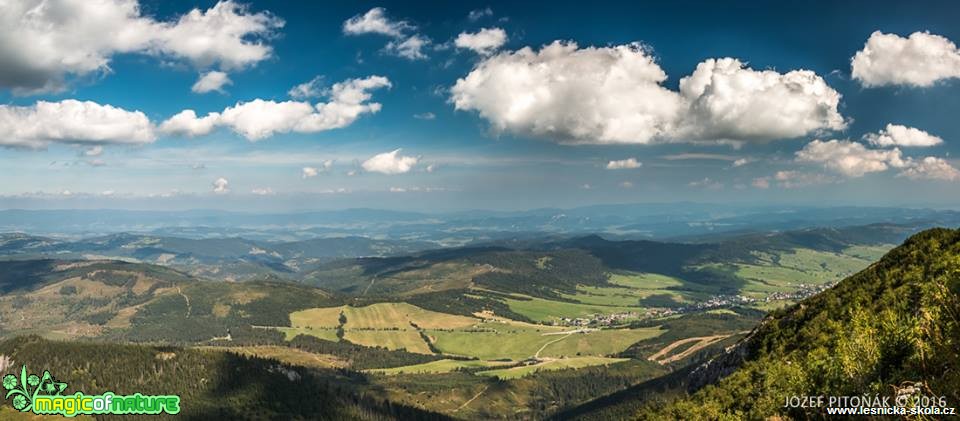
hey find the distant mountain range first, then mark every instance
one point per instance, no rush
(633, 221)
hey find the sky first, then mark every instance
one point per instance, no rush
(289, 105)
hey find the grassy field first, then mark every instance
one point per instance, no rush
(378, 316)
(437, 367)
(322, 318)
(409, 340)
(604, 342)
(518, 343)
(288, 355)
(558, 364)
(322, 333)
(870, 253)
(543, 310)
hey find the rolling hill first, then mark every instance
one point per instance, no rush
(891, 326)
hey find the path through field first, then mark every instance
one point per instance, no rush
(471, 399)
(537, 355)
(185, 298)
(702, 342)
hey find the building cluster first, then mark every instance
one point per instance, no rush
(598, 319)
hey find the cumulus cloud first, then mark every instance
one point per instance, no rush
(409, 48)
(310, 89)
(375, 21)
(851, 159)
(919, 60)
(624, 164)
(262, 191)
(727, 100)
(259, 119)
(425, 116)
(406, 42)
(221, 185)
(563, 92)
(186, 123)
(390, 163)
(741, 162)
(210, 82)
(931, 168)
(45, 44)
(484, 42)
(897, 135)
(614, 95)
(74, 122)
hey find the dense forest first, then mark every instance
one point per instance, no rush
(211, 384)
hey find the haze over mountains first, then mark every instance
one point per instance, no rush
(654, 221)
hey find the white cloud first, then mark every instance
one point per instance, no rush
(262, 191)
(729, 101)
(626, 185)
(45, 44)
(186, 123)
(308, 172)
(211, 81)
(484, 42)
(623, 164)
(897, 135)
(432, 167)
(569, 94)
(405, 43)
(478, 14)
(390, 163)
(375, 21)
(855, 160)
(931, 168)
(919, 60)
(310, 89)
(614, 95)
(741, 162)
(851, 159)
(221, 185)
(425, 116)
(94, 151)
(259, 119)
(72, 121)
(409, 48)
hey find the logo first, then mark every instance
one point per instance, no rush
(43, 395)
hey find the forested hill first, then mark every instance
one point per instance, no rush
(893, 324)
(211, 384)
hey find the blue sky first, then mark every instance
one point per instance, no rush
(792, 120)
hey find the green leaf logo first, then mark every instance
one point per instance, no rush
(25, 388)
